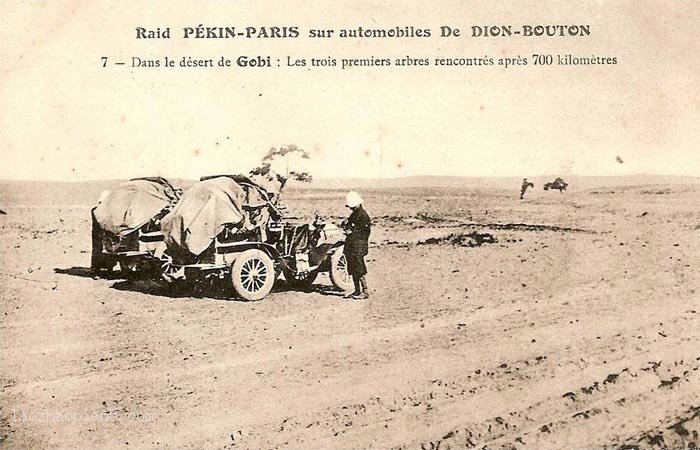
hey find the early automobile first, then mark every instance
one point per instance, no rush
(126, 231)
(558, 183)
(229, 227)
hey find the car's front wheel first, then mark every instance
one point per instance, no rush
(340, 277)
(253, 274)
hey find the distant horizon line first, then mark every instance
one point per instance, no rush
(370, 178)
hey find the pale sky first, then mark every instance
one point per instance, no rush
(65, 117)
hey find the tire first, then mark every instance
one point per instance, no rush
(304, 283)
(339, 271)
(98, 263)
(253, 275)
(102, 265)
(137, 270)
(167, 270)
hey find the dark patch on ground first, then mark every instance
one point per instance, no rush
(531, 227)
(669, 383)
(442, 222)
(681, 433)
(472, 239)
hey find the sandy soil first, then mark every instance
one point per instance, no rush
(578, 328)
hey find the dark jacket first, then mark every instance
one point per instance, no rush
(359, 226)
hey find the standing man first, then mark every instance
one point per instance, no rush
(357, 227)
(526, 184)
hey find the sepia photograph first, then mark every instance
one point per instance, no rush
(349, 225)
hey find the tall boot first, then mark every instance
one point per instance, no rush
(357, 291)
(364, 292)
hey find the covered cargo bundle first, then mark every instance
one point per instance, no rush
(133, 204)
(203, 212)
(126, 225)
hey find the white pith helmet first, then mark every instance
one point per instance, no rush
(353, 199)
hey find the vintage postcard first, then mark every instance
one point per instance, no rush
(349, 224)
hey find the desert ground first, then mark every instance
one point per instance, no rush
(562, 321)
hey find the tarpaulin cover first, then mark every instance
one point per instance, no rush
(132, 204)
(254, 198)
(201, 214)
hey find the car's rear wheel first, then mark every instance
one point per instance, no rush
(340, 277)
(168, 270)
(102, 264)
(253, 274)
